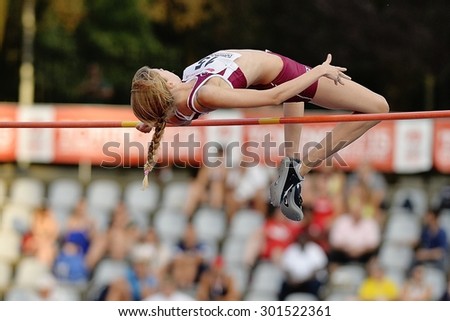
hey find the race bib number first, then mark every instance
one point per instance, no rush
(213, 64)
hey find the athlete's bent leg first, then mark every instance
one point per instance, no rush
(285, 190)
(351, 97)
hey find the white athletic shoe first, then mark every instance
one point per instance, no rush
(291, 207)
(285, 191)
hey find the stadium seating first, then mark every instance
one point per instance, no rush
(240, 274)
(398, 276)
(27, 191)
(107, 271)
(19, 294)
(3, 192)
(437, 280)
(347, 278)
(170, 224)
(232, 252)
(58, 293)
(6, 272)
(210, 224)
(16, 217)
(103, 196)
(244, 223)
(161, 207)
(29, 271)
(260, 296)
(9, 246)
(175, 194)
(63, 196)
(444, 221)
(413, 199)
(339, 295)
(141, 203)
(396, 256)
(64, 193)
(267, 278)
(301, 297)
(403, 228)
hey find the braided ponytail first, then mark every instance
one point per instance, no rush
(152, 103)
(152, 150)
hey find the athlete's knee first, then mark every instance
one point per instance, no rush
(380, 105)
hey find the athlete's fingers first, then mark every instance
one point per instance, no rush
(340, 77)
(143, 127)
(327, 60)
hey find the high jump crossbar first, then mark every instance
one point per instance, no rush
(237, 122)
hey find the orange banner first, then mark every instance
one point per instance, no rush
(111, 147)
(391, 146)
(8, 135)
(442, 145)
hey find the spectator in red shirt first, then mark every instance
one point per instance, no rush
(277, 233)
(323, 212)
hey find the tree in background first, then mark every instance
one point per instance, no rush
(10, 53)
(116, 35)
(3, 17)
(399, 48)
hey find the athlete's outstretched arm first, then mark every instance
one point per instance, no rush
(220, 97)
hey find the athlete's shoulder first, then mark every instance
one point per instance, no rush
(208, 95)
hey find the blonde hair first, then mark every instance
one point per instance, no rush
(152, 103)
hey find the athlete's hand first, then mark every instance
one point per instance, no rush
(145, 128)
(334, 73)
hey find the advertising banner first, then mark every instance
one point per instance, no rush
(403, 146)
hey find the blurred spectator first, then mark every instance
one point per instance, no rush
(377, 286)
(432, 248)
(159, 252)
(269, 242)
(41, 240)
(80, 227)
(216, 285)
(168, 291)
(247, 186)
(304, 264)
(116, 241)
(361, 193)
(46, 289)
(371, 179)
(95, 88)
(122, 234)
(353, 237)
(70, 266)
(140, 281)
(189, 260)
(208, 187)
(443, 199)
(415, 288)
(323, 211)
(336, 182)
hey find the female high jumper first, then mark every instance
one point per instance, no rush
(254, 78)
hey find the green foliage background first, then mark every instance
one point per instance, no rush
(398, 48)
